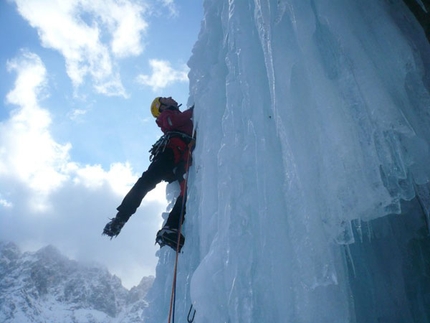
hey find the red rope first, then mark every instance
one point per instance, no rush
(175, 271)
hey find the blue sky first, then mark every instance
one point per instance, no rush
(77, 79)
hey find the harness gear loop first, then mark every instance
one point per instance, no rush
(161, 144)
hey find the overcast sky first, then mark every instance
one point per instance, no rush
(77, 79)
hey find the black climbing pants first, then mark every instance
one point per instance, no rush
(162, 168)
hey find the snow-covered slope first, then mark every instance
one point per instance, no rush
(309, 192)
(47, 287)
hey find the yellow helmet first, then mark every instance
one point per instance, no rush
(155, 106)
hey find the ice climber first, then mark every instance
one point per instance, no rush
(170, 158)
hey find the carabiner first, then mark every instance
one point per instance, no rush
(190, 318)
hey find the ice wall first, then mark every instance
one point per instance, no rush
(309, 191)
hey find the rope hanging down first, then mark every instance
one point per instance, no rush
(175, 271)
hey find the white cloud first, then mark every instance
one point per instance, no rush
(46, 198)
(28, 150)
(5, 203)
(74, 29)
(30, 154)
(170, 5)
(163, 75)
(124, 21)
(120, 177)
(77, 114)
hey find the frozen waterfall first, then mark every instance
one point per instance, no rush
(309, 193)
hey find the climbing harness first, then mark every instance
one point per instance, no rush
(175, 271)
(160, 144)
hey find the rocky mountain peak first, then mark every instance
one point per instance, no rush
(36, 286)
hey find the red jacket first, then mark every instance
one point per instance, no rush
(175, 120)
